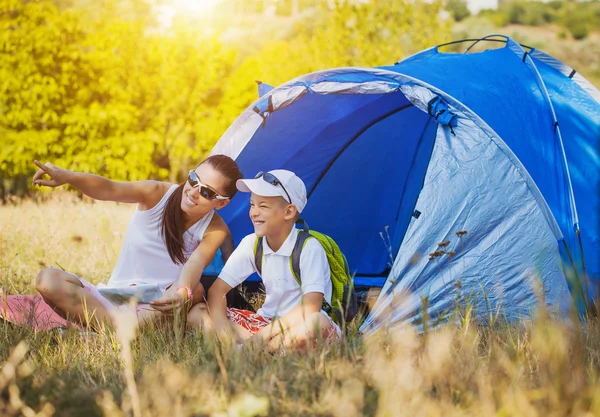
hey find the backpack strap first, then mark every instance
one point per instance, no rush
(258, 254)
(297, 251)
(303, 235)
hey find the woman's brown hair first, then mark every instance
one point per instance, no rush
(173, 218)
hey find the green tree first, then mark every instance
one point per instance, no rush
(458, 9)
(104, 90)
(580, 18)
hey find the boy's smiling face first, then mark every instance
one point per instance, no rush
(270, 215)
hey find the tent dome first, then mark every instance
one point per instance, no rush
(493, 155)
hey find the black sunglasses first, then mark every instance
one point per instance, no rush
(205, 190)
(273, 180)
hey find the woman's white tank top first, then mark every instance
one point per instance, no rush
(144, 258)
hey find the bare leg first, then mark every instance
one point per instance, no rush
(65, 293)
(146, 315)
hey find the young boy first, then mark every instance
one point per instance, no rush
(291, 313)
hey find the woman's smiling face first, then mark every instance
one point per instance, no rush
(193, 203)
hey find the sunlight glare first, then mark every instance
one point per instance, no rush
(196, 6)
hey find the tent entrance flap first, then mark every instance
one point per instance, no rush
(304, 138)
(358, 198)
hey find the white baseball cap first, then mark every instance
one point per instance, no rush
(279, 182)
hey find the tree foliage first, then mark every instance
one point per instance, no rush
(112, 93)
(458, 9)
(579, 18)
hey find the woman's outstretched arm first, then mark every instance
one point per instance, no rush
(145, 193)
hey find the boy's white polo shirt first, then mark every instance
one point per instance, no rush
(282, 290)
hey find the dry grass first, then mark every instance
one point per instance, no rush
(543, 368)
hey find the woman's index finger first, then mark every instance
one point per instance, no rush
(41, 166)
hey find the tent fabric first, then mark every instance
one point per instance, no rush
(564, 69)
(486, 186)
(500, 77)
(373, 144)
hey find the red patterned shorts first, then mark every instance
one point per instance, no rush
(250, 321)
(253, 322)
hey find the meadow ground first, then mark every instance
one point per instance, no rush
(542, 368)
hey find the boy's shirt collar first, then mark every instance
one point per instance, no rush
(285, 249)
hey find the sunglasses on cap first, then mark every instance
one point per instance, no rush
(272, 179)
(205, 190)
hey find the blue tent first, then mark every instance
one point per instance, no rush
(500, 144)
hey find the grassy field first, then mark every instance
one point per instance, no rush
(543, 368)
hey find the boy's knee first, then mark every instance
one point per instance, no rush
(198, 317)
(193, 315)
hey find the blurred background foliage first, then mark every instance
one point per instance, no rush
(137, 89)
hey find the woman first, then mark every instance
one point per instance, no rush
(172, 237)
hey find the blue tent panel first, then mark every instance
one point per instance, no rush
(504, 92)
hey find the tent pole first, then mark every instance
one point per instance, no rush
(476, 40)
(585, 276)
(558, 134)
(585, 301)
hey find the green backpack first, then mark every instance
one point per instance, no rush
(343, 298)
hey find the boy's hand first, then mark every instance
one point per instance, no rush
(58, 176)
